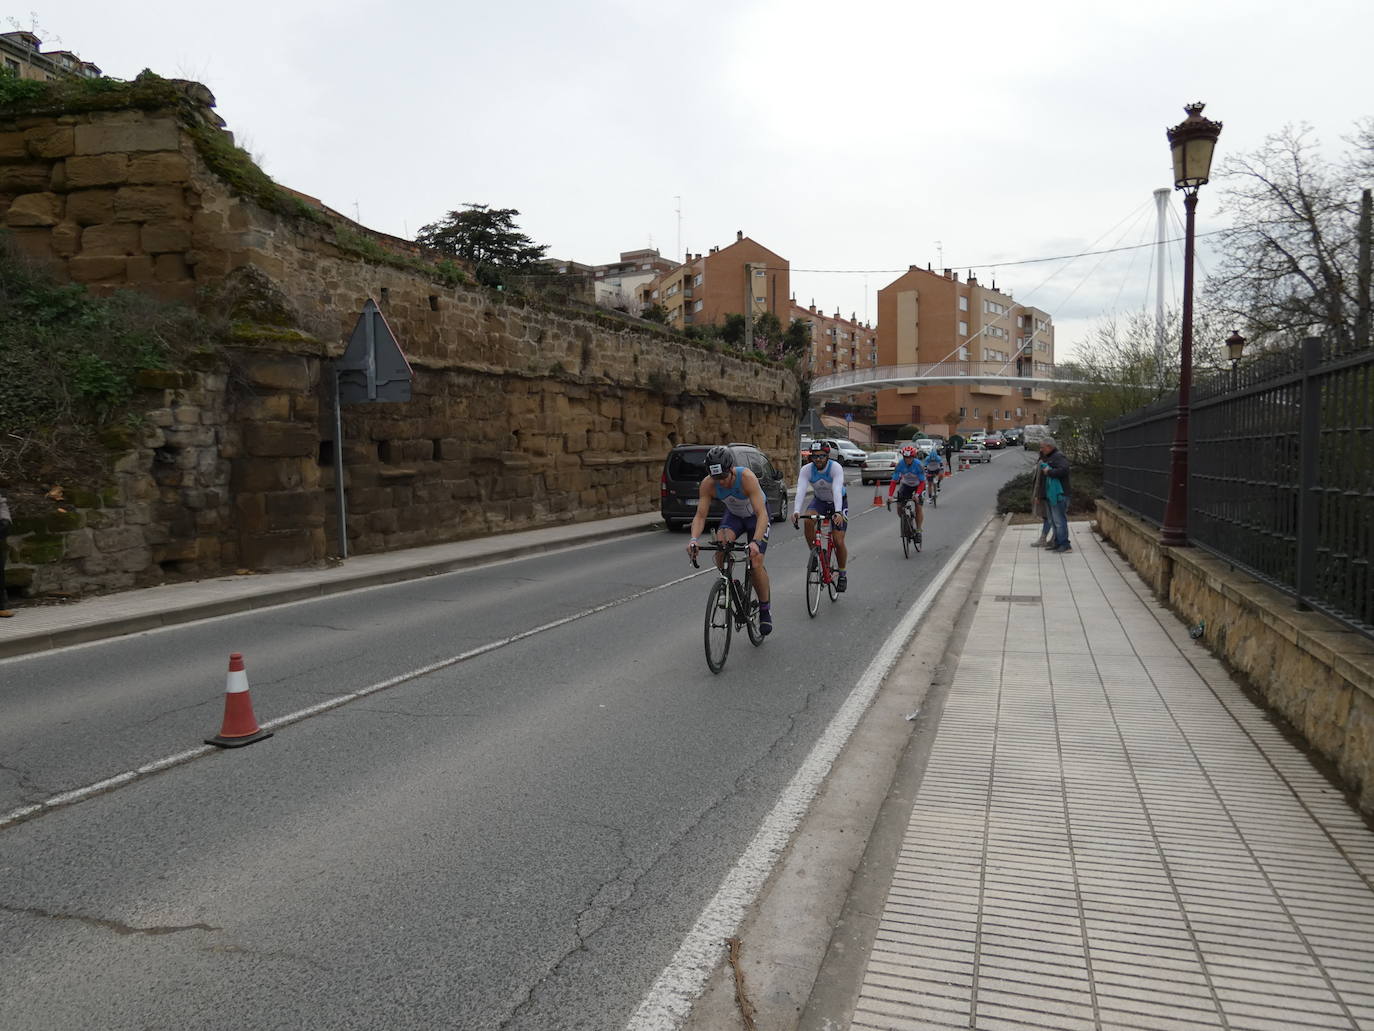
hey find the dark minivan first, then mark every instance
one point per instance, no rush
(683, 472)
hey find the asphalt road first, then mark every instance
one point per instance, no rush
(517, 840)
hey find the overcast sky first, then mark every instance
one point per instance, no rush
(842, 134)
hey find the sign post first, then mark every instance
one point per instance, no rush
(373, 368)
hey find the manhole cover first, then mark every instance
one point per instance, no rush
(1024, 599)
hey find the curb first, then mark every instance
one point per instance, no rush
(120, 626)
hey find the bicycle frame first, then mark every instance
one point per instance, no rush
(823, 544)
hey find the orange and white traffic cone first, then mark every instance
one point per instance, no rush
(240, 726)
(877, 495)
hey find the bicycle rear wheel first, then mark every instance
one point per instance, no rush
(813, 584)
(904, 525)
(833, 585)
(718, 625)
(751, 609)
(935, 494)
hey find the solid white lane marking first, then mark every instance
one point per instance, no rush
(668, 1002)
(146, 770)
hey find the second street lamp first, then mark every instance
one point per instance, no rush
(1192, 141)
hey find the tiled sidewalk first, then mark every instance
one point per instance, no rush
(1109, 834)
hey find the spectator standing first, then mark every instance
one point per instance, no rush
(1040, 507)
(5, 524)
(1055, 491)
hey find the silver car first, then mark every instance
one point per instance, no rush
(878, 466)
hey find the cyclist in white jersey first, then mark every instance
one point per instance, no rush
(826, 480)
(746, 512)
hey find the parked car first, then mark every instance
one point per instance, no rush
(1014, 437)
(845, 451)
(684, 469)
(975, 452)
(995, 440)
(877, 467)
(977, 435)
(925, 445)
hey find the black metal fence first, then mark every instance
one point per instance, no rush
(1281, 472)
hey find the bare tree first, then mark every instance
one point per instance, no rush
(1289, 263)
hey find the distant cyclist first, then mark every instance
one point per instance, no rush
(746, 512)
(908, 479)
(826, 480)
(935, 469)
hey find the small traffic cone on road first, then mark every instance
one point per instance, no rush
(240, 726)
(877, 495)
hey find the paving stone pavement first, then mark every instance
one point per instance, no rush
(1110, 834)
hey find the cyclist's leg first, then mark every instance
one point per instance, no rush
(759, 575)
(920, 509)
(726, 533)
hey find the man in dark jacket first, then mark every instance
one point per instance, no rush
(1054, 490)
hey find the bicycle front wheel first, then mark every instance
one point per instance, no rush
(813, 584)
(718, 625)
(904, 525)
(834, 585)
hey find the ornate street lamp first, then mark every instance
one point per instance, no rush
(1192, 141)
(1235, 347)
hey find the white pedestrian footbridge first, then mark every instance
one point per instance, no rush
(997, 374)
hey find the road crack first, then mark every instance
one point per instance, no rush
(117, 926)
(27, 785)
(615, 891)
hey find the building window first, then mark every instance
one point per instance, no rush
(963, 412)
(697, 306)
(12, 65)
(1019, 412)
(975, 413)
(963, 328)
(696, 280)
(963, 354)
(760, 300)
(963, 304)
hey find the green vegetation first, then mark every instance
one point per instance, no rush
(1085, 487)
(70, 364)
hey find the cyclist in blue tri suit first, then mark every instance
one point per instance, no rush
(908, 478)
(935, 468)
(826, 480)
(746, 512)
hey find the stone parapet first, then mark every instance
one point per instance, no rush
(1312, 670)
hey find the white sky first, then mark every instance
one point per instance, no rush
(843, 134)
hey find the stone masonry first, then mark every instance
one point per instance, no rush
(522, 414)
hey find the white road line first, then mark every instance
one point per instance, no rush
(668, 1002)
(129, 776)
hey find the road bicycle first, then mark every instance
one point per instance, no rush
(731, 604)
(935, 479)
(822, 566)
(906, 525)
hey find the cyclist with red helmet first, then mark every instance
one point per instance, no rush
(825, 478)
(909, 478)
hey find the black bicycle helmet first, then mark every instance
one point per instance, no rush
(719, 460)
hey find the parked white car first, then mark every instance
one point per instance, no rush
(973, 452)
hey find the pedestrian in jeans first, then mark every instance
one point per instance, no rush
(1055, 491)
(1040, 507)
(5, 524)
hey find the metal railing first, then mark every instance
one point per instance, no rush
(1001, 373)
(1281, 473)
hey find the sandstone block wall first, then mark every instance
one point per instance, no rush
(1317, 674)
(522, 414)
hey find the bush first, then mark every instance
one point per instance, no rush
(1085, 488)
(68, 363)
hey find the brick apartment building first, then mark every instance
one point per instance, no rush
(744, 277)
(22, 54)
(837, 345)
(926, 317)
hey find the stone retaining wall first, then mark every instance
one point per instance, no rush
(522, 414)
(1313, 671)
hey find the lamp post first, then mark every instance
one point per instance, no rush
(1192, 141)
(1235, 347)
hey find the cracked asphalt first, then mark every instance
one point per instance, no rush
(516, 841)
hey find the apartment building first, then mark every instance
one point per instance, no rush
(620, 284)
(837, 345)
(22, 54)
(926, 317)
(744, 277)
